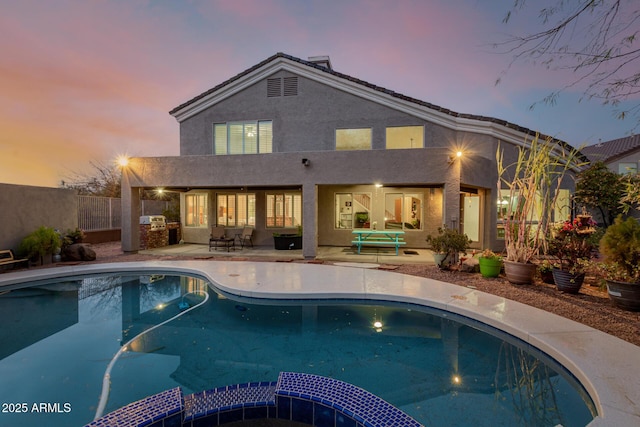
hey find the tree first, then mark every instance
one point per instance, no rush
(631, 192)
(596, 39)
(599, 188)
(104, 182)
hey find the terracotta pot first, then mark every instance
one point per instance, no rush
(624, 295)
(519, 273)
(439, 259)
(568, 282)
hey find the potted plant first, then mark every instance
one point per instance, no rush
(288, 241)
(572, 244)
(447, 245)
(40, 245)
(361, 219)
(532, 183)
(620, 246)
(545, 268)
(490, 263)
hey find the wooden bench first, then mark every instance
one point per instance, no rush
(7, 259)
(389, 238)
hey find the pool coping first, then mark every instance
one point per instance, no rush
(604, 364)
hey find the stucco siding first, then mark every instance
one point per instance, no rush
(26, 208)
(306, 122)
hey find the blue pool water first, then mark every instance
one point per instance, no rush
(57, 340)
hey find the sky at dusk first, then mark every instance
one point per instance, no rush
(84, 81)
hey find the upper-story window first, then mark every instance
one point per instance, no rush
(353, 139)
(405, 137)
(250, 137)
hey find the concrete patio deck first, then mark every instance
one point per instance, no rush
(325, 253)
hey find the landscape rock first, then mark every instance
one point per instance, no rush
(79, 252)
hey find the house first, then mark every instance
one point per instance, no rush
(621, 155)
(292, 142)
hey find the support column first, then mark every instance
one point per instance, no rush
(130, 226)
(309, 221)
(452, 195)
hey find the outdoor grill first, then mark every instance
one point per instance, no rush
(157, 222)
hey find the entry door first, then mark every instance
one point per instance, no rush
(470, 215)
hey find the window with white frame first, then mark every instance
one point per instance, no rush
(404, 137)
(352, 210)
(248, 137)
(236, 210)
(196, 210)
(283, 210)
(353, 139)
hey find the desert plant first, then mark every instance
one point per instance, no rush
(489, 254)
(620, 246)
(73, 236)
(41, 242)
(533, 182)
(448, 242)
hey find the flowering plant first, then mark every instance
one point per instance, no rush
(488, 253)
(573, 242)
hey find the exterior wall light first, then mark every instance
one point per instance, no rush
(306, 162)
(122, 161)
(453, 157)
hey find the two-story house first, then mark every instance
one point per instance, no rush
(293, 143)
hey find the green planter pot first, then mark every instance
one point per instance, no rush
(624, 295)
(490, 267)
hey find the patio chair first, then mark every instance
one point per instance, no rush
(218, 238)
(246, 236)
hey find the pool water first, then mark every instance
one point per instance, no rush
(58, 338)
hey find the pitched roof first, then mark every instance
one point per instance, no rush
(368, 85)
(611, 150)
(354, 80)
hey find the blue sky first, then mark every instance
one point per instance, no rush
(82, 81)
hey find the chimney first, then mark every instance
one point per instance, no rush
(322, 61)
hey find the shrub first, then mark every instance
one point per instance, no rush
(620, 246)
(41, 242)
(449, 241)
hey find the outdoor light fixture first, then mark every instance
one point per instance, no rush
(306, 162)
(122, 161)
(453, 157)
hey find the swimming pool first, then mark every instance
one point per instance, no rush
(421, 360)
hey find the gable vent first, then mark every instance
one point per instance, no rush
(274, 87)
(290, 86)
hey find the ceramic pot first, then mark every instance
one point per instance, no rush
(624, 295)
(519, 273)
(567, 281)
(490, 267)
(439, 259)
(547, 277)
